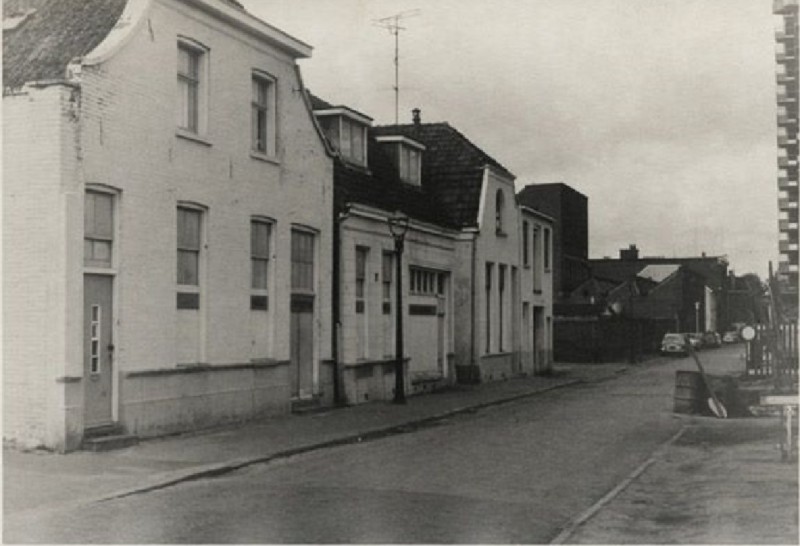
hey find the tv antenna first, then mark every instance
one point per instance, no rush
(392, 24)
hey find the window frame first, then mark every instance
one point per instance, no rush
(499, 211)
(269, 109)
(360, 277)
(186, 126)
(259, 295)
(526, 251)
(189, 294)
(547, 244)
(93, 237)
(297, 289)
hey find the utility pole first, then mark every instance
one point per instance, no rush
(392, 24)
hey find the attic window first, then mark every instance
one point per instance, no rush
(13, 21)
(407, 156)
(346, 130)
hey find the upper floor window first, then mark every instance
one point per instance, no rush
(191, 86)
(346, 130)
(407, 156)
(410, 165)
(526, 259)
(263, 114)
(547, 248)
(499, 206)
(98, 229)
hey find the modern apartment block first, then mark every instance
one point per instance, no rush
(787, 73)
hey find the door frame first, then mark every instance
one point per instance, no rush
(112, 275)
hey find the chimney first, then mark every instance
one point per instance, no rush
(630, 253)
(415, 116)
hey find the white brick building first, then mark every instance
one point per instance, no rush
(166, 225)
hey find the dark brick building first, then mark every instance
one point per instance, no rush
(570, 209)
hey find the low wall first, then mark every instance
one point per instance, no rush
(164, 401)
(370, 380)
(496, 367)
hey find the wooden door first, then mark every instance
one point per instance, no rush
(97, 349)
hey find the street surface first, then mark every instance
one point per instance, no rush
(515, 473)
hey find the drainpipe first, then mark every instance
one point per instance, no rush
(473, 295)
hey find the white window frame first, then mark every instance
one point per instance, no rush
(266, 259)
(93, 237)
(269, 108)
(201, 254)
(201, 79)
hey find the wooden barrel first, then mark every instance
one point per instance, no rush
(689, 392)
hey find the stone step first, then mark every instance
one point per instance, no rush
(98, 431)
(306, 405)
(107, 443)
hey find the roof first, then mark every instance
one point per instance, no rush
(452, 168)
(54, 33)
(658, 272)
(381, 187)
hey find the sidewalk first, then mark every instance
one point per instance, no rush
(43, 480)
(721, 482)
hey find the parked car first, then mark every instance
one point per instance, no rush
(712, 339)
(696, 340)
(731, 337)
(674, 344)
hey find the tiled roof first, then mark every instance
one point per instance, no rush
(381, 187)
(57, 32)
(452, 167)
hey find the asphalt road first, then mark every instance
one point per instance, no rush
(515, 473)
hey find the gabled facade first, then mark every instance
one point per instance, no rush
(478, 198)
(167, 211)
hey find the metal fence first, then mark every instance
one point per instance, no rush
(773, 351)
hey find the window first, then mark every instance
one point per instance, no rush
(189, 247)
(361, 275)
(501, 283)
(525, 251)
(499, 204)
(488, 335)
(98, 229)
(260, 232)
(94, 351)
(189, 86)
(387, 264)
(425, 282)
(263, 114)
(347, 135)
(546, 257)
(537, 260)
(302, 262)
(410, 165)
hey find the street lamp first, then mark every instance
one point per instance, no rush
(398, 226)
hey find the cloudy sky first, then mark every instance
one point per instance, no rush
(662, 112)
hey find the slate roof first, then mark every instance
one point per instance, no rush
(452, 167)
(57, 32)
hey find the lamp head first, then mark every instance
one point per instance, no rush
(398, 225)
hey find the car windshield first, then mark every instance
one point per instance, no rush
(674, 337)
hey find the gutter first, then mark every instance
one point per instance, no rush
(338, 218)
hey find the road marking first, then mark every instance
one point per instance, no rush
(573, 525)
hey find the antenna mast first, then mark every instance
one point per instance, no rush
(392, 24)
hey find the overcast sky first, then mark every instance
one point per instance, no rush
(662, 112)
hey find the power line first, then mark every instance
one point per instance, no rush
(392, 24)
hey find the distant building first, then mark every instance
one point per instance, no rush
(569, 210)
(788, 96)
(712, 270)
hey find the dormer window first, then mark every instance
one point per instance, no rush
(407, 156)
(346, 130)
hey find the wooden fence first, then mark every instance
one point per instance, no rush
(773, 351)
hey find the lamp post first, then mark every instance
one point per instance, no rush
(398, 226)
